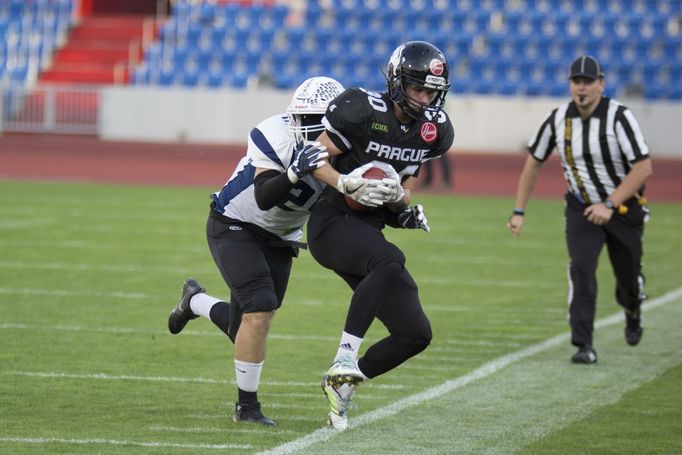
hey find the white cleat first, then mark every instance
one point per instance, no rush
(338, 386)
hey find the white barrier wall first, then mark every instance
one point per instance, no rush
(489, 124)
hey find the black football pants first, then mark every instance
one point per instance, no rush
(256, 272)
(623, 238)
(383, 288)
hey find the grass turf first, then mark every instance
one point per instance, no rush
(90, 272)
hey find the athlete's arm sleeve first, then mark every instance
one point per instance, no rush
(271, 188)
(391, 216)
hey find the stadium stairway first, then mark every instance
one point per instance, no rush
(93, 49)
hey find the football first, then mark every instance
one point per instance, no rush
(374, 173)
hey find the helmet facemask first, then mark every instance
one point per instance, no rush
(305, 127)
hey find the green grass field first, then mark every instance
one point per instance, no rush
(89, 273)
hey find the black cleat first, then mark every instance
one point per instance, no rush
(251, 413)
(585, 355)
(182, 313)
(633, 328)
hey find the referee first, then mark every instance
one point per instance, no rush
(606, 164)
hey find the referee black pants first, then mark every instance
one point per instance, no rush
(623, 238)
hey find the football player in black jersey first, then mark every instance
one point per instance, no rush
(398, 131)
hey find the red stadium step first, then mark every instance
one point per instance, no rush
(90, 54)
(88, 76)
(94, 48)
(108, 32)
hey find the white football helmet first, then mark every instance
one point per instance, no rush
(308, 106)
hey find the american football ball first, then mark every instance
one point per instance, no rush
(375, 173)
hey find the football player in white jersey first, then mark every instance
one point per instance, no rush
(253, 230)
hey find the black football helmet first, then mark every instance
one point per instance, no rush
(418, 63)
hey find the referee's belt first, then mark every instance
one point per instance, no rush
(577, 201)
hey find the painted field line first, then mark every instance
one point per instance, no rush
(257, 431)
(123, 268)
(130, 330)
(457, 342)
(324, 434)
(116, 442)
(198, 380)
(71, 293)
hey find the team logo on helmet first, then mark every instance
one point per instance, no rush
(429, 132)
(436, 67)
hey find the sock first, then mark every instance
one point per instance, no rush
(221, 316)
(247, 397)
(248, 375)
(201, 304)
(349, 345)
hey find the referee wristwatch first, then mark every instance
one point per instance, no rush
(609, 204)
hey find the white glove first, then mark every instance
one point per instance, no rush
(365, 191)
(390, 188)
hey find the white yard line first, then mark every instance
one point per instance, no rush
(484, 371)
(257, 431)
(72, 293)
(197, 380)
(213, 333)
(116, 442)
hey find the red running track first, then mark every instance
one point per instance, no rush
(88, 159)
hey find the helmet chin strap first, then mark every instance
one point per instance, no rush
(407, 110)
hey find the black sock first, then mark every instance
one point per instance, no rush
(220, 316)
(247, 397)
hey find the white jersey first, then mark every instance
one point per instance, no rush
(271, 147)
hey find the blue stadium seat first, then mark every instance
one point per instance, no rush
(483, 86)
(675, 92)
(555, 24)
(558, 89)
(672, 48)
(654, 91)
(166, 77)
(236, 80)
(533, 88)
(207, 12)
(215, 79)
(528, 52)
(460, 84)
(189, 78)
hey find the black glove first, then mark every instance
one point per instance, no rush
(307, 158)
(414, 218)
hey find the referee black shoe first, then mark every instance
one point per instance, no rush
(585, 355)
(633, 327)
(251, 413)
(182, 313)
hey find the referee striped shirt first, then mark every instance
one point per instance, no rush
(596, 152)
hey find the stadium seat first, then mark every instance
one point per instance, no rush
(507, 47)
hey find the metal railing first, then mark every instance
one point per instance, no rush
(64, 109)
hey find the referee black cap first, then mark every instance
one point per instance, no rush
(586, 66)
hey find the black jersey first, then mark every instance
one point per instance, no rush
(362, 125)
